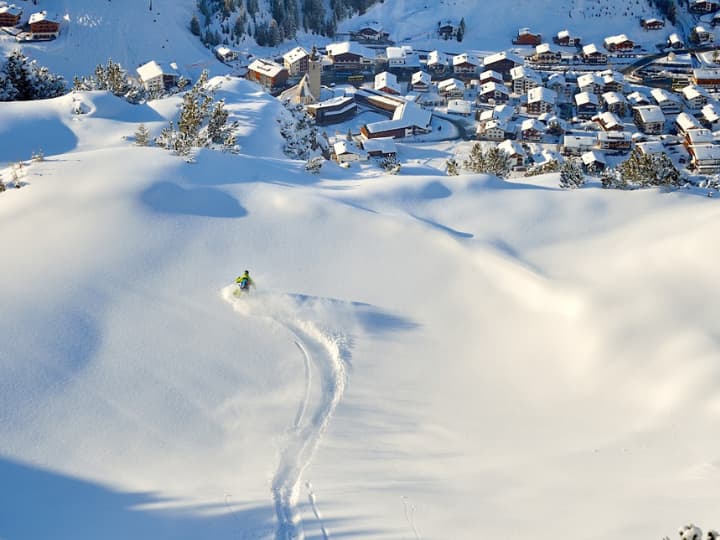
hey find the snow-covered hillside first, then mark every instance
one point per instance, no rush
(424, 356)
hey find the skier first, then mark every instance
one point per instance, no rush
(245, 281)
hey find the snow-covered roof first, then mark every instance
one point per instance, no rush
(578, 141)
(637, 98)
(588, 79)
(706, 152)
(562, 34)
(609, 120)
(465, 58)
(585, 98)
(11, 10)
(292, 56)
(420, 77)
(543, 48)
(614, 40)
(347, 147)
(449, 84)
(660, 95)
(519, 72)
(266, 67)
(511, 148)
(591, 48)
(461, 106)
(386, 145)
(386, 80)
(540, 93)
(492, 87)
(157, 69)
(686, 122)
(352, 47)
(437, 57)
(613, 98)
(413, 114)
(503, 55)
(593, 156)
(710, 113)
(691, 92)
(650, 114)
(490, 74)
(651, 147)
(38, 17)
(674, 38)
(556, 78)
(700, 136)
(532, 123)
(614, 136)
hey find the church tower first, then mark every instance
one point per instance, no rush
(314, 71)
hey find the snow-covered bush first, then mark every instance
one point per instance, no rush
(645, 170)
(22, 80)
(452, 167)
(549, 167)
(390, 164)
(142, 135)
(571, 175)
(314, 164)
(494, 161)
(302, 140)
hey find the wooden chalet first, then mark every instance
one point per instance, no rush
(710, 116)
(541, 100)
(675, 42)
(650, 119)
(387, 82)
(545, 55)
(652, 24)
(493, 92)
(270, 75)
(592, 55)
(576, 145)
(532, 130)
(224, 53)
(502, 62)
(694, 97)
(590, 82)
(451, 88)
(420, 81)
(492, 130)
(42, 26)
(703, 6)
(615, 102)
(372, 32)
(565, 39)
(667, 101)
(700, 34)
(705, 158)
(158, 76)
(447, 29)
(380, 147)
(515, 153)
(523, 79)
(608, 121)
(349, 56)
(593, 161)
(526, 37)
(619, 43)
(333, 111)
(348, 152)
(465, 65)
(587, 104)
(10, 15)
(460, 107)
(685, 122)
(706, 78)
(438, 62)
(490, 76)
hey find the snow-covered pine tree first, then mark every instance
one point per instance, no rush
(497, 162)
(571, 175)
(475, 161)
(451, 167)
(23, 80)
(142, 135)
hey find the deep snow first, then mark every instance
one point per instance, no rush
(424, 357)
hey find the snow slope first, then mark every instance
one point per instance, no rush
(425, 356)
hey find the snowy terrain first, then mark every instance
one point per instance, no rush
(424, 356)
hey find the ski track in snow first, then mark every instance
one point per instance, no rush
(322, 355)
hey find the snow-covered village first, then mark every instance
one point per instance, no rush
(359, 269)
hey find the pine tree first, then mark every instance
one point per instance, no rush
(451, 167)
(571, 176)
(475, 162)
(142, 135)
(195, 25)
(497, 162)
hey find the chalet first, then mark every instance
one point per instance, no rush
(503, 113)
(675, 42)
(541, 100)
(576, 145)
(703, 6)
(700, 34)
(612, 81)
(387, 82)
(515, 153)
(587, 104)
(555, 125)
(408, 119)
(652, 24)
(502, 62)
(614, 102)
(349, 56)
(381, 147)
(667, 101)
(490, 76)
(638, 98)
(699, 136)
(224, 53)
(270, 75)
(420, 81)
(616, 141)
(705, 158)
(158, 76)
(438, 62)
(348, 152)
(447, 29)
(10, 15)
(649, 118)
(465, 65)
(493, 92)
(685, 122)
(710, 116)
(706, 78)
(42, 27)
(564, 39)
(296, 61)
(545, 55)
(618, 43)
(451, 89)
(593, 161)
(429, 99)
(523, 79)
(651, 148)
(609, 121)
(558, 84)
(592, 55)
(591, 83)
(461, 107)
(694, 97)
(526, 37)
(371, 32)
(493, 130)
(547, 157)
(400, 58)
(532, 130)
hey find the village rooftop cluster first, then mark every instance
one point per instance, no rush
(36, 26)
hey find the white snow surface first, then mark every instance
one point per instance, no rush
(424, 356)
